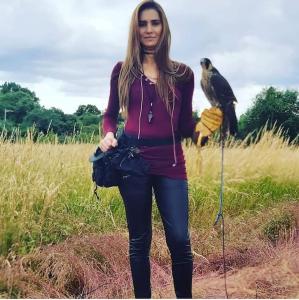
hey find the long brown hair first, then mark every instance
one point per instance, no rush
(169, 71)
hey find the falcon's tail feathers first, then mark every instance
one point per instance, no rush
(230, 120)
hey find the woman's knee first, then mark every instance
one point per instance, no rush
(140, 245)
(179, 244)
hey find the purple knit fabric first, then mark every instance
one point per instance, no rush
(160, 158)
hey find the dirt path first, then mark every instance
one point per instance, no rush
(97, 267)
(276, 277)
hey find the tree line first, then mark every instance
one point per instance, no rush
(20, 108)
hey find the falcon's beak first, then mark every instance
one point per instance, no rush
(203, 63)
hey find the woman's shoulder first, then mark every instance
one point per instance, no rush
(181, 67)
(182, 71)
(116, 69)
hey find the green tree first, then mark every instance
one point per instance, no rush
(270, 107)
(52, 119)
(20, 102)
(89, 119)
(91, 109)
(12, 87)
(195, 115)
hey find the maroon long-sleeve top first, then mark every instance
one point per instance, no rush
(166, 160)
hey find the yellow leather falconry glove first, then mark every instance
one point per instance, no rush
(210, 120)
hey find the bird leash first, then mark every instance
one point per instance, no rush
(220, 211)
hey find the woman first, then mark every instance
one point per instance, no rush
(155, 96)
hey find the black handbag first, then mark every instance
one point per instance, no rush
(109, 166)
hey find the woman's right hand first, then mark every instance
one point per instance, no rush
(108, 142)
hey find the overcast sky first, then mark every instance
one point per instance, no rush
(64, 50)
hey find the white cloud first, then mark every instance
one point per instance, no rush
(245, 96)
(65, 50)
(257, 60)
(51, 95)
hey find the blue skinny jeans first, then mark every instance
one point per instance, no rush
(172, 201)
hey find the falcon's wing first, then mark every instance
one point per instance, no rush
(222, 89)
(225, 95)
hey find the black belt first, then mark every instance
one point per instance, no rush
(150, 142)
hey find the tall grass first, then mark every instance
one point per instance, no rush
(255, 176)
(46, 193)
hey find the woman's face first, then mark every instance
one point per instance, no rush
(150, 28)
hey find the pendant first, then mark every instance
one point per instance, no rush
(150, 114)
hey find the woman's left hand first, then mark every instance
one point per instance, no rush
(210, 120)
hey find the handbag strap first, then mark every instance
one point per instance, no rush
(94, 157)
(99, 154)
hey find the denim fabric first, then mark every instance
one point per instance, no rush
(172, 201)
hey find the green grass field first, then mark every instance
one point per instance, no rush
(58, 241)
(47, 193)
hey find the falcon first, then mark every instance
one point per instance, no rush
(220, 94)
